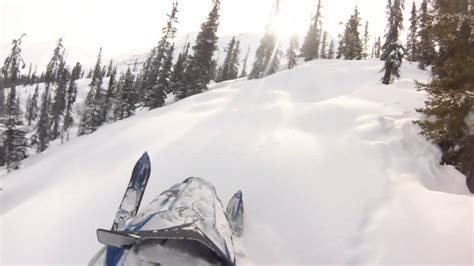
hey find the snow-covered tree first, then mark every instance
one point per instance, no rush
(291, 52)
(199, 70)
(42, 135)
(331, 50)
(412, 39)
(109, 96)
(324, 46)
(92, 117)
(243, 73)
(177, 79)
(393, 49)
(427, 52)
(267, 55)
(70, 100)
(125, 103)
(14, 140)
(155, 94)
(350, 44)
(312, 41)
(58, 106)
(230, 67)
(365, 41)
(449, 109)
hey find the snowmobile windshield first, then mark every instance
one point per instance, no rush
(171, 252)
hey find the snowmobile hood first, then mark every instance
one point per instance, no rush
(192, 209)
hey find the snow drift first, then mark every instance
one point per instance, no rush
(332, 169)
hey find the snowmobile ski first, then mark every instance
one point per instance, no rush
(235, 213)
(134, 193)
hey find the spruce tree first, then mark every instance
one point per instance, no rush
(125, 103)
(267, 55)
(310, 48)
(225, 72)
(365, 41)
(154, 95)
(110, 68)
(42, 135)
(199, 70)
(177, 79)
(331, 50)
(378, 48)
(412, 39)
(162, 85)
(71, 99)
(235, 62)
(350, 45)
(244, 66)
(449, 108)
(291, 52)
(324, 44)
(427, 52)
(58, 105)
(109, 96)
(14, 136)
(393, 49)
(92, 117)
(32, 106)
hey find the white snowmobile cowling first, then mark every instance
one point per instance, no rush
(184, 225)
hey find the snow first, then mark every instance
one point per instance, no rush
(332, 169)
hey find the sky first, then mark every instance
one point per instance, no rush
(122, 26)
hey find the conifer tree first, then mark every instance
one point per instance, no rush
(449, 108)
(310, 48)
(110, 69)
(109, 96)
(125, 103)
(331, 50)
(427, 53)
(244, 66)
(199, 70)
(324, 44)
(71, 99)
(89, 74)
(32, 107)
(30, 73)
(92, 116)
(234, 73)
(177, 79)
(412, 40)
(42, 132)
(135, 65)
(365, 41)
(163, 83)
(227, 70)
(350, 46)
(267, 55)
(58, 105)
(291, 52)
(378, 48)
(42, 135)
(393, 49)
(154, 94)
(14, 136)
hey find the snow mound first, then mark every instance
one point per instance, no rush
(332, 168)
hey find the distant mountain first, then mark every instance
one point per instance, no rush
(247, 41)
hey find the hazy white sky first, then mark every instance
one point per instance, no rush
(123, 25)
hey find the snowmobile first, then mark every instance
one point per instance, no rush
(184, 225)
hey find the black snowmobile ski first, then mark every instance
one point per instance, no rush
(134, 193)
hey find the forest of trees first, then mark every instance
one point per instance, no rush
(439, 38)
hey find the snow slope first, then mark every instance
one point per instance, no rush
(332, 170)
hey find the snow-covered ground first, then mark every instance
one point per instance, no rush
(332, 169)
